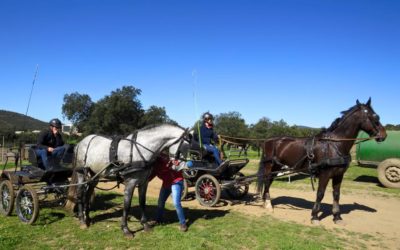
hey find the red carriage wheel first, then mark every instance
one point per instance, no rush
(208, 190)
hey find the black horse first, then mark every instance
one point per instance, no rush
(326, 155)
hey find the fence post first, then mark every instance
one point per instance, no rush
(2, 151)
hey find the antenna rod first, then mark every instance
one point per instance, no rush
(33, 84)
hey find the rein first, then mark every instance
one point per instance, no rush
(349, 139)
(239, 138)
(323, 138)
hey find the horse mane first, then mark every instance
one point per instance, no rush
(151, 126)
(337, 121)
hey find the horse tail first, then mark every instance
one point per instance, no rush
(261, 172)
(72, 190)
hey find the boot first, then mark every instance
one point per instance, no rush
(183, 227)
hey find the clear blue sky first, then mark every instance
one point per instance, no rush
(301, 61)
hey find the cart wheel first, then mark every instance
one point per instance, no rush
(189, 173)
(6, 198)
(239, 190)
(389, 173)
(185, 190)
(27, 205)
(208, 190)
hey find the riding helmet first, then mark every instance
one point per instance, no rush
(208, 116)
(55, 123)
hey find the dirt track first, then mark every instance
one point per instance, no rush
(361, 212)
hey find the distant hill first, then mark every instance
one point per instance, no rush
(12, 121)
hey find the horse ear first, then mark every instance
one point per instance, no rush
(358, 102)
(369, 102)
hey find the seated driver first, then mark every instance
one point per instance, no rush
(50, 145)
(208, 137)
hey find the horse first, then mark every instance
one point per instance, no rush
(128, 160)
(326, 155)
(241, 144)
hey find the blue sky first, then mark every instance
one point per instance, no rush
(301, 61)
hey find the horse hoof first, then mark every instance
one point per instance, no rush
(340, 222)
(315, 222)
(83, 226)
(268, 207)
(128, 235)
(147, 228)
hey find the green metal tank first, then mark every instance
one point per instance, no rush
(374, 152)
(385, 155)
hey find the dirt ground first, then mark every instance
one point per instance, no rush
(361, 212)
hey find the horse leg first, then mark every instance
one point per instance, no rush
(80, 199)
(336, 182)
(142, 204)
(128, 193)
(87, 200)
(322, 183)
(266, 196)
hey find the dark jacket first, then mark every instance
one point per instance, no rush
(208, 135)
(48, 139)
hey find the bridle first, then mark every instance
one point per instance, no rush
(373, 122)
(175, 160)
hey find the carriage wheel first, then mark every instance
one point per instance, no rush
(389, 173)
(238, 191)
(27, 205)
(6, 198)
(208, 190)
(185, 190)
(189, 173)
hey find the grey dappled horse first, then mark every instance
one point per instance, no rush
(132, 165)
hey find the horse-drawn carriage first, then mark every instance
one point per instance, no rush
(209, 179)
(326, 155)
(27, 186)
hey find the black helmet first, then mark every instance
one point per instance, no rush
(208, 116)
(55, 123)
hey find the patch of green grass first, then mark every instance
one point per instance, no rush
(356, 179)
(208, 229)
(9, 165)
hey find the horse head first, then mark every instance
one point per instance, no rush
(180, 148)
(370, 122)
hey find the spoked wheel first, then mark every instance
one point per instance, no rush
(27, 205)
(389, 173)
(237, 191)
(6, 198)
(185, 190)
(208, 190)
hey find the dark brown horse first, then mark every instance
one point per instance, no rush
(326, 156)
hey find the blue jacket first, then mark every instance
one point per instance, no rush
(208, 135)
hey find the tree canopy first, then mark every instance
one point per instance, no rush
(121, 112)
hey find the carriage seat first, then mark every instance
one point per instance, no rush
(37, 161)
(200, 153)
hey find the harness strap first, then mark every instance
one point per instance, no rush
(87, 150)
(114, 148)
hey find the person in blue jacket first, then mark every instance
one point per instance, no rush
(208, 137)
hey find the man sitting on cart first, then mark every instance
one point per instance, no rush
(208, 137)
(50, 145)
